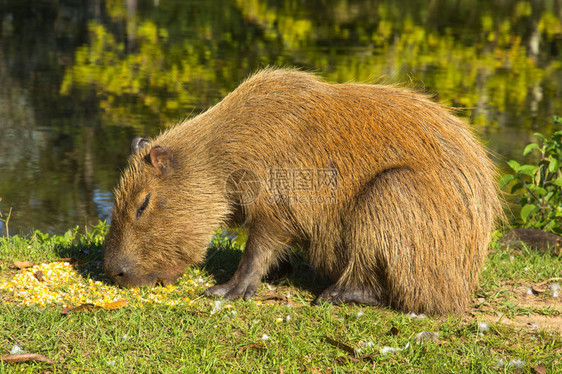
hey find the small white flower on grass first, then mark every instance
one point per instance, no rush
(483, 328)
(125, 337)
(16, 350)
(500, 364)
(525, 268)
(231, 313)
(217, 306)
(286, 319)
(417, 316)
(387, 350)
(427, 336)
(360, 314)
(265, 337)
(367, 344)
(515, 364)
(555, 287)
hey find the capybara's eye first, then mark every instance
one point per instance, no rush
(143, 206)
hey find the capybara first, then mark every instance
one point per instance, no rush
(390, 195)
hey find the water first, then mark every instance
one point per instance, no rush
(78, 80)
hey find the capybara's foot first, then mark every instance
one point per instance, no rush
(233, 290)
(339, 295)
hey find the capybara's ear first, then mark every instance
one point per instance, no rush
(161, 158)
(139, 143)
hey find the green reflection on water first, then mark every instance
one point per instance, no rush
(79, 81)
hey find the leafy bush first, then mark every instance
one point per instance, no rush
(539, 186)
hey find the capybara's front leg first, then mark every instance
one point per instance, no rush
(262, 250)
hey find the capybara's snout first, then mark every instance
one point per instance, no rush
(123, 271)
(126, 272)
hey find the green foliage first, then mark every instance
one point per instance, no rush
(6, 219)
(167, 76)
(41, 246)
(539, 186)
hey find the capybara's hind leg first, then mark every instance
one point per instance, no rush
(401, 247)
(360, 282)
(363, 277)
(369, 237)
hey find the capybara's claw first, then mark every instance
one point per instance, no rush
(231, 292)
(337, 295)
(218, 290)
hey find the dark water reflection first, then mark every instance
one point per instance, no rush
(79, 79)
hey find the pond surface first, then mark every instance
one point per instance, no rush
(80, 79)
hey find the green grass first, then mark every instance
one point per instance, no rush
(201, 338)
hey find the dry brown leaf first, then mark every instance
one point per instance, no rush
(272, 297)
(25, 357)
(543, 286)
(297, 304)
(537, 290)
(313, 370)
(23, 264)
(257, 346)
(555, 279)
(352, 353)
(80, 308)
(342, 360)
(539, 369)
(340, 345)
(88, 307)
(39, 275)
(116, 304)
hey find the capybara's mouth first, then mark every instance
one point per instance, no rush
(163, 278)
(150, 280)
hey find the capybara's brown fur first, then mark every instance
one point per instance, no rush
(391, 193)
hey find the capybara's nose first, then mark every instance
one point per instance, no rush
(120, 274)
(119, 270)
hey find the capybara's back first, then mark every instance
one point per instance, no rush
(393, 197)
